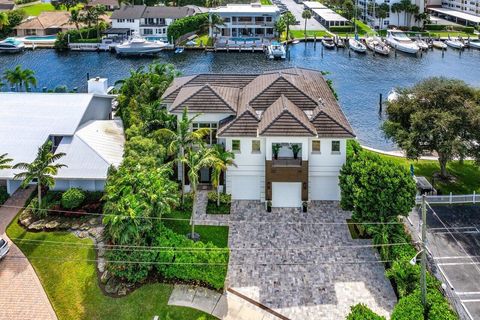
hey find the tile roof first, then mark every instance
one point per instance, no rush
(284, 118)
(306, 100)
(142, 11)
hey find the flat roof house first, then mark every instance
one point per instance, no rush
(77, 123)
(146, 21)
(285, 127)
(246, 20)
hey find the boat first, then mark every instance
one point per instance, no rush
(139, 46)
(474, 44)
(454, 43)
(339, 42)
(377, 45)
(356, 45)
(295, 41)
(421, 44)
(179, 50)
(11, 45)
(275, 51)
(328, 43)
(439, 44)
(400, 41)
(392, 96)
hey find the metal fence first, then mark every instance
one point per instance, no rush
(450, 199)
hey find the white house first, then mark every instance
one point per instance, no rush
(256, 115)
(77, 123)
(246, 20)
(393, 18)
(151, 22)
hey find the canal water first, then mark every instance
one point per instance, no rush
(358, 79)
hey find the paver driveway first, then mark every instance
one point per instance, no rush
(316, 277)
(22, 295)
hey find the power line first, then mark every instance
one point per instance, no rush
(157, 248)
(206, 220)
(202, 263)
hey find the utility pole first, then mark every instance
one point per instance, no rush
(423, 275)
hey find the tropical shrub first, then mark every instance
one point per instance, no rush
(131, 265)
(225, 202)
(186, 25)
(72, 198)
(3, 195)
(362, 312)
(84, 35)
(203, 263)
(444, 27)
(15, 17)
(342, 29)
(375, 189)
(225, 198)
(409, 307)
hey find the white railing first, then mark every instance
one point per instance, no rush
(450, 198)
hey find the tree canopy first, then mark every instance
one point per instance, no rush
(437, 115)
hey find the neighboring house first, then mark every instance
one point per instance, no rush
(393, 18)
(6, 5)
(47, 23)
(252, 115)
(109, 5)
(246, 20)
(77, 123)
(146, 21)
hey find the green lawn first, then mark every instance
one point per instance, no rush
(204, 39)
(72, 286)
(299, 34)
(217, 235)
(362, 30)
(265, 2)
(36, 9)
(467, 174)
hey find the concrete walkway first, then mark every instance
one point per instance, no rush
(22, 293)
(201, 217)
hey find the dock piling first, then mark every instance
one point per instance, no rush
(380, 103)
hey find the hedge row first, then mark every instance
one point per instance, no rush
(84, 35)
(186, 25)
(182, 258)
(342, 29)
(443, 27)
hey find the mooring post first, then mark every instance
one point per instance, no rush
(322, 51)
(88, 76)
(314, 41)
(380, 103)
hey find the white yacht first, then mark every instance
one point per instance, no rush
(275, 51)
(11, 45)
(474, 44)
(454, 43)
(421, 44)
(139, 46)
(356, 45)
(400, 41)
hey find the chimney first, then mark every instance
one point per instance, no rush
(98, 85)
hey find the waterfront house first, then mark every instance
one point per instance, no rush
(246, 20)
(47, 23)
(285, 127)
(6, 5)
(78, 124)
(151, 22)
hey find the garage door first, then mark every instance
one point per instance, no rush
(324, 188)
(246, 187)
(286, 194)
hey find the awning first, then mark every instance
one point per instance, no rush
(117, 31)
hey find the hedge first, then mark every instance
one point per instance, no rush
(362, 312)
(3, 195)
(342, 29)
(84, 35)
(443, 27)
(185, 25)
(72, 198)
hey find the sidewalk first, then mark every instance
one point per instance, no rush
(23, 296)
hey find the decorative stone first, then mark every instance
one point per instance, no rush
(105, 277)
(100, 249)
(96, 232)
(101, 265)
(75, 226)
(93, 221)
(37, 225)
(26, 221)
(85, 226)
(64, 225)
(52, 224)
(82, 234)
(122, 291)
(112, 286)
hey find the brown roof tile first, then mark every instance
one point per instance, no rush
(244, 125)
(284, 118)
(206, 99)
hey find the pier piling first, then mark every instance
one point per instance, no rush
(380, 103)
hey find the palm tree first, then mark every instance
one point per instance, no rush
(412, 9)
(405, 4)
(397, 8)
(289, 19)
(42, 169)
(4, 161)
(3, 20)
(76, 18)
(28, 79)
(306, 14)
(224, 159)
(196, 160)
(213, 3)
(183, 139)
(382, 13)
(19, 78)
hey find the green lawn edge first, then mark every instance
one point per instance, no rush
(71, 282)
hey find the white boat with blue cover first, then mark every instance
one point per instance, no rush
(11, 45)
(276, 50)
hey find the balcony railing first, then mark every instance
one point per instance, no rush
(287, 162)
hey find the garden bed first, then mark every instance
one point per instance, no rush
(225, 203)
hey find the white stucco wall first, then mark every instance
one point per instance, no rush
(135, 26)
(87, 185)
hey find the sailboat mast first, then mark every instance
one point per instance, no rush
(355, 17)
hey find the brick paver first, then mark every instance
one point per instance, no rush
(313, 279)
(22, 294)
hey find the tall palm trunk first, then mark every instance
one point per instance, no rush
(218, 189)
(194, 210)
(39, 195)
(182, 153)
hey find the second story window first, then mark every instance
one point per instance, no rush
(255, 146)
(236, 146)
(336, 147)
(315, 146)
(211, 137)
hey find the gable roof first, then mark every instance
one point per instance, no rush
(330, 123)
(47, 19)
(244, 125)
(206, 98)
(284, 118)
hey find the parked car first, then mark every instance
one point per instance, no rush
(4, 247)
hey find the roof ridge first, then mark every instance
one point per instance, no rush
(91, 148)
(301, 91)
(333, 119)
(220, 97)
(296, 118)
